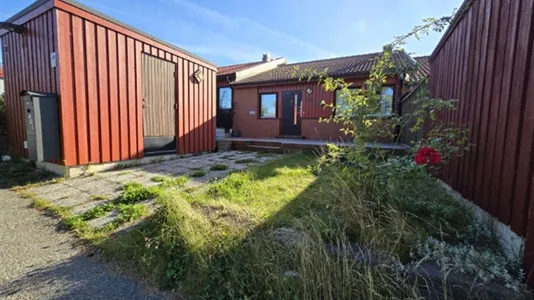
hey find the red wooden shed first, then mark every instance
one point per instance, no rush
(121, 92)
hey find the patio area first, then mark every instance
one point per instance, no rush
(80, 195)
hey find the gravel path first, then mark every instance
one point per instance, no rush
(38, 262)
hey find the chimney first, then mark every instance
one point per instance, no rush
(267, 57)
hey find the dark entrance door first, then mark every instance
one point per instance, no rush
(291, 113)
(159, 105)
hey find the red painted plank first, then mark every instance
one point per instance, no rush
(78, 57)
(114, 96)
(138, 98)
(523, 49)
(68, 123)
(103, 93)
(131, 98)
(92, 93)
(505, 206)
(180, 95)
(123, 97)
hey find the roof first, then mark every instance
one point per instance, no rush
(77, 4)
(423, 68)
(227, 70)
(340, 66)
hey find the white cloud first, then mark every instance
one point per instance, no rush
(246, 24)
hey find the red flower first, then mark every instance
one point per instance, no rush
(427, 155)
(435, 158)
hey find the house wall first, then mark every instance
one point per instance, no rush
(27, 67)
(98, 79)
(246, 99)
(486, 62)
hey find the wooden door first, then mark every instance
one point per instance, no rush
(159, 105)
(291, 113)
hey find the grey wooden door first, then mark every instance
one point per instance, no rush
(159, 104)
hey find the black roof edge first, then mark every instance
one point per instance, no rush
(108, 18)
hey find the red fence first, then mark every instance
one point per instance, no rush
(485, 60)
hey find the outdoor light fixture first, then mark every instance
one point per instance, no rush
(12, 27)
(199, 76)
(309, 91)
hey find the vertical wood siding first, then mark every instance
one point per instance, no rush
(487, 63)
(98, 79)
(101, 93)
(311, 104)
(27, 67)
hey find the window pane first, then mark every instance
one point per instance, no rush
(225, 98)
(341, 105)
(386, 105)
(268, 106)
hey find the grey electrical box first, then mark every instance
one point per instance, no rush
(42, 126)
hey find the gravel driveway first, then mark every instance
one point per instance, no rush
(39, 262)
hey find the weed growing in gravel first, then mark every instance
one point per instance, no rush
(179, 181)
(44, 205)
(158, 178)
(245, 161)
(135, 192)
(131, 212)
(97, 197)
(219, 167)
(198, 173)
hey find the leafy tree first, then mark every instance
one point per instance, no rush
(3, 121)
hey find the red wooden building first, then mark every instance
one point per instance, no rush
(485, 60)
(275, 103)
(122, 93)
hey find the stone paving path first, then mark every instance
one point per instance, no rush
(83, 193)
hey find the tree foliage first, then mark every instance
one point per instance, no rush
(3, 120)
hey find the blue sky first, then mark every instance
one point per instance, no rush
(235, 31)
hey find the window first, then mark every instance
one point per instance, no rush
(225, 98)
(341, 106)
(386, 104)
(267, 106)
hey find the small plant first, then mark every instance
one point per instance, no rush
(135, 192)
(196, 169)
(97, 212)
(245, 161)
(219, 167)
(198, 173)
(131, 212)
(179, 181)
(97, 197)
(158, 179)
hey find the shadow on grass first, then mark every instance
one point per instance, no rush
(19, 172)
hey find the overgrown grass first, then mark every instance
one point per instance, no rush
(134, 192)
(18, 174)
(224, 241)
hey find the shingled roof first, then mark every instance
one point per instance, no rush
(340, 66)
(227, 70)
(423, 68)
